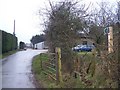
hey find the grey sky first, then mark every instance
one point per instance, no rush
(25, 13)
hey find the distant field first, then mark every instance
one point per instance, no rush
(83, 53)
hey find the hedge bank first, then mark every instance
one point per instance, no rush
(9, 42)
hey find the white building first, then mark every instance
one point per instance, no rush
(40, 45)
(28, 45)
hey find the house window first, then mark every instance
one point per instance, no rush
(84, 43)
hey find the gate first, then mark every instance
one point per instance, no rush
(52, 66)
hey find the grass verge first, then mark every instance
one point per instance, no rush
(43, 80)
(98, 80)
(8, 53)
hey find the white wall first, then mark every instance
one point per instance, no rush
(40, 45)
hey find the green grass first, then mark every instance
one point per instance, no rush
(0, 56)
(98, 79)
(36, 65)
(85, 53)
(8, 53)
(44, 80)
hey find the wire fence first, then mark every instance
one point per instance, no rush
(92, 68)
(104, 66)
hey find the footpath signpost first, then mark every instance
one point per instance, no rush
(58, 65)
(110, 40)
(109, 32)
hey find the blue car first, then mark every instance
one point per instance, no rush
(87, 48)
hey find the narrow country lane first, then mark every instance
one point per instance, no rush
(16, 69)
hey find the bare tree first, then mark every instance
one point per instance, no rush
(118, 11)
(98, 19)
(64, 20)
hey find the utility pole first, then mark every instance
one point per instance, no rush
(14, 28)
(13, 36)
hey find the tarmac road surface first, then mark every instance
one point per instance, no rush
(16, 69)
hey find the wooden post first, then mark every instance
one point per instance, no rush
(58, 65)
(110, 40)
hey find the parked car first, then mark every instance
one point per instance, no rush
(25, 48)
(76, 48)
(87, 48)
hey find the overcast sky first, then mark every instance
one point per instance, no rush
(25, 13)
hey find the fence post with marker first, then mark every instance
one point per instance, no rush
(58, 65)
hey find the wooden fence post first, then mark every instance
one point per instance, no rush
(110, 40)
(58, 65)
